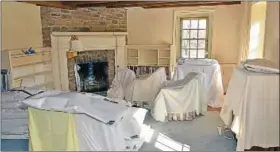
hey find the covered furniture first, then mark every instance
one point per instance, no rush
(71, 121)
(181, 99)
(146, 88)
(213, 79)
(253, 99)
(122, 85)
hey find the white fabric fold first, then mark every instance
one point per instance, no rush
(260, 65)
(181, 96)
(213, 79)
(147, 88)
(253, 98)
(122, 85)
(72, 102)
(91, 114)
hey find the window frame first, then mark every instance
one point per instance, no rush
(207, 37)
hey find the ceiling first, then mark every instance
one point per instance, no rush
(126, 4)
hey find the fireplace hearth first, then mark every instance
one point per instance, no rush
(93, 77)
(95, 70)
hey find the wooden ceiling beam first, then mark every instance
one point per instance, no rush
(193, 4)
(116, 4)
(121, 4)
(56, 4)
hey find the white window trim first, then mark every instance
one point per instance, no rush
(191, 12)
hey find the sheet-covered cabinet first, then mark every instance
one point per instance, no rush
(253, 99)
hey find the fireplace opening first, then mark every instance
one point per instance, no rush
(93, 76)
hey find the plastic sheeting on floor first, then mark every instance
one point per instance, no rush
(253, 98)
(181, 96)
(213, 80)
(85, 124)
(147, 88)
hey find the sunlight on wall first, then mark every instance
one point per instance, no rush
(165, 143)
(257, 30)
(254, 41)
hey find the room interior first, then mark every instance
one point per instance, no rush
(141, 53)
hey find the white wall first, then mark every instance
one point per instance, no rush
(271, 42)
(21, 25)
(149, 26)
(155, 26)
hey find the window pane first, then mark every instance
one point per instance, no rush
(193, 44)
(185, 53)
(201, 44)
(201, 53)
(193, 34)
(202, 24)
(194, 24)
(186, 34)
(186, 43)
(202, 34)
(193, 54)
(186, 24)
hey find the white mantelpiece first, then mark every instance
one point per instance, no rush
(91, 41)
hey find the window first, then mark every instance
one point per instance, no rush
(194, 33)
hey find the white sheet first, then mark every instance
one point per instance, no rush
(74, 102)
(181, 96)
(254, 100)
(260, 65)
(213, 80)
(122, 85)
(94, 135)
(14, 120)
(147, 88)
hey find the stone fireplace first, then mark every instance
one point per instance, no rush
(103, 62)
(108, 48)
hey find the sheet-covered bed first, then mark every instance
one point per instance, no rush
(95, 123)
(14, 117)
(14, 120)
(253, 98)
(213, 79)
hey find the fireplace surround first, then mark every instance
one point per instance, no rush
(96, 44)
(89, 57)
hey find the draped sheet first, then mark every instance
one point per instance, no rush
(147, 88)
(88, 117)
(253, 98)
(213, 80)
(122, 85)
(181, 96)
(14, 120)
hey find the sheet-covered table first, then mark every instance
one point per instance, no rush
(213, 79)
(253, 98)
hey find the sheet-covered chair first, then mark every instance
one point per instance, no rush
(212, 71)
(122, 85)
(146, 88)
(181, 99)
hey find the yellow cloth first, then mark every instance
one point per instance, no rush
(52, 131)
